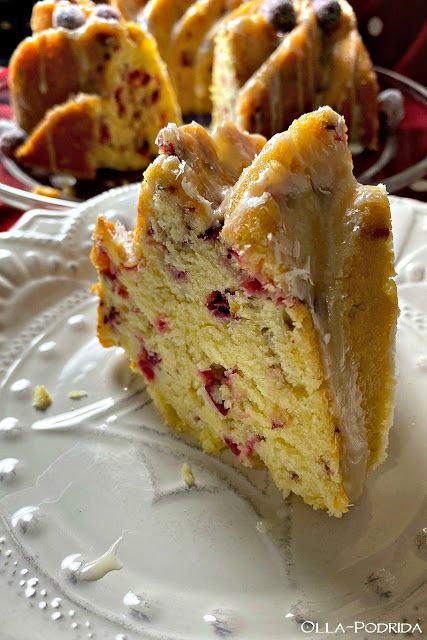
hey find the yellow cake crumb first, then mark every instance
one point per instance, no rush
(42, 398)
(48, 192)
(77, 394)
(187, 475)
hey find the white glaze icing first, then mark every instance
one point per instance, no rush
(75, 566)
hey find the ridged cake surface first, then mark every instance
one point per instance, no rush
(266, 74)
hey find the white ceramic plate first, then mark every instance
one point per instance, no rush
(227, 558)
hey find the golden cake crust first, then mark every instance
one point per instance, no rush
(65, 138)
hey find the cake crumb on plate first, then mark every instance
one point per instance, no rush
(187, 475)
(77, 394)
(42, 398)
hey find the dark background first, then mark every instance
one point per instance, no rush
(401, 43)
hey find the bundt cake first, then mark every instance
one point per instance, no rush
(90, 90)
(185, 31)
(277, 59)
(256, 298)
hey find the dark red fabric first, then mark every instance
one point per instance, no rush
(402, 43)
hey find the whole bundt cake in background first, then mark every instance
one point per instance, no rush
(256, 298)
(90, 90)
(273, 60)
(258, 63)
(277, 59)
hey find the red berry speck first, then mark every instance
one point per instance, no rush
(218, 305)
(214, 378)
(233, 446)
(250, 445)
(277, 424)
(185, 59)
(252, 286)
(147, 362)
(137, 78)
(155, 96)
(211, 234)
(112, 316)
(161, 324)
(118, 96)
(104, 133)
(180, 276)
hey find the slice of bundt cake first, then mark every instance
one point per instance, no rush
(90, 90)
(276, 59)
(256, 298)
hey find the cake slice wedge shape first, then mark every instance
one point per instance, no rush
(256, 298)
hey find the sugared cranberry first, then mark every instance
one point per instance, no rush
(391, 104)
(233, 446)
(68, 17)
(280, 14)
(11, 140)
(214, 378)
(147, 362)
(328, 13)
(105, 12)
(218, 305)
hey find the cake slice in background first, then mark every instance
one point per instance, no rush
(256, 298)
(90, 90)
(277, 59)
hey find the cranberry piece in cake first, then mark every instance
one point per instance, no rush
(218, 305)
(147, 362)
(214, 378)
(233, 446)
